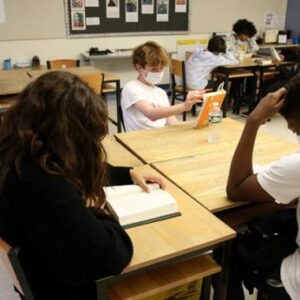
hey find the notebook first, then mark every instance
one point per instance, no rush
(208, 100)
(132, 206)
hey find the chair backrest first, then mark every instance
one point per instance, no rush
(62, 63)
(177, 70)
(188, 54)
(95, 81)
(10, 261)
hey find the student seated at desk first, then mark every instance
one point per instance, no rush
(145, 105)
(202, 62)
(279, 182)
(53, 169)
(242, 40)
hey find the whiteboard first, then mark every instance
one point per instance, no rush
(33, 19)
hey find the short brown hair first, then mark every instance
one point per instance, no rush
(150, 53)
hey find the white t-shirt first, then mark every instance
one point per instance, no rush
(282, 182)
(135, 91)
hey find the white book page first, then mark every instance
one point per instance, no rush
(122, 190)
(136, 207)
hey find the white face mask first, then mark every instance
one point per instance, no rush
(154, 77)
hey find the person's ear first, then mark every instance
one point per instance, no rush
(138, 67)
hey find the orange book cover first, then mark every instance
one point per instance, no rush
(208, 100)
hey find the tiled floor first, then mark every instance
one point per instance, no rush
(276, 127)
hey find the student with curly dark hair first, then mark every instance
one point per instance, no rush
(243, 38)
(52, 172)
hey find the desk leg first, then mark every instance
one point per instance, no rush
(102, 290)
(205, 289)
(225, 103)
(119, 113)
(221, 279)
(261, 78)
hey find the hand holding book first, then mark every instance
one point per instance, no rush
(142, 180)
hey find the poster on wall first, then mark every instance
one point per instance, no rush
(180, 6)
(78, 20)
(112, 9)
(94, 21)
(147, 7)
(2, 12)
(269, 19)
(162, 11)
(77, 4)
(131, 11)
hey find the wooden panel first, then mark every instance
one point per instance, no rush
(194, 230)
(117, 155)
(164, 278)
(159, 144)
(204, 177)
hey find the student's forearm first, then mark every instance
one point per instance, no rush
(164, 112)
(241, 165)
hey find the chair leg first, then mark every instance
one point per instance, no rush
(184, 116)
(194, 110)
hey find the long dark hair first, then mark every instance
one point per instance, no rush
(60, 122)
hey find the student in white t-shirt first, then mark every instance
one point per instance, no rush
(145, 105)
(201, 62)
(280, 182)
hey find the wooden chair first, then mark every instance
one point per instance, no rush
(9, 260)
(62, 63)
(179, 91)
(95, 81)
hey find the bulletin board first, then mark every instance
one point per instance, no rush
(91, 18)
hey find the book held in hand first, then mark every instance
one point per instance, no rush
(132, 206)
(208, 100)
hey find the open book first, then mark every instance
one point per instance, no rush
(132, 206)
(208, 100)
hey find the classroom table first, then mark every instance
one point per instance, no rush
(184, 156)
(248, 67)
(182, 140)
(119, 156)
(175, 239)
(13, 81)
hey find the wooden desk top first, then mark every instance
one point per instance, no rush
(117, 155)
(196, 229)
(13, 81)
(204, 177)
(160, 144)
(84, 70)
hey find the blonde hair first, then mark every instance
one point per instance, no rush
(150, 53)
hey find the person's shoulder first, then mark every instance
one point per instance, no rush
(288, 163)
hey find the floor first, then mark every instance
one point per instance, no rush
(277, 127)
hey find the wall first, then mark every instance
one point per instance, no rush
(292, 17)
(205, 15)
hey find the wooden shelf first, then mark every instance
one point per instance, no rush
(162, 279)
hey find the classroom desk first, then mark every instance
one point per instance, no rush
(204, 177)
(245, 68)
(182, 140)
(184, 156)
(119, 156)
(13, 81)
(174, 239)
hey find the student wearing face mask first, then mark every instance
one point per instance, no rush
(145, 105)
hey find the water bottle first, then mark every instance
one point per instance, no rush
(214, 122)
